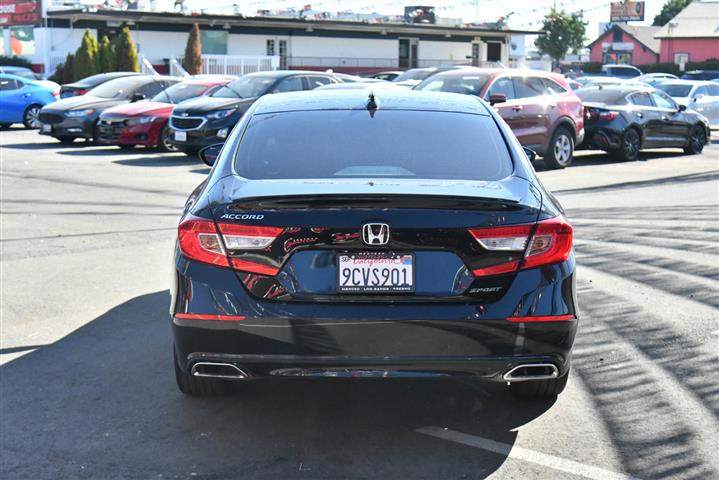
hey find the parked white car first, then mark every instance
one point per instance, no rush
(696, 95)
(653, 78)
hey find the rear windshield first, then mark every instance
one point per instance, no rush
(417, 74)
(675, 90)
(118, 88)
(392, 144)
(602, 95)
(467, 84)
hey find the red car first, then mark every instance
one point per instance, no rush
(145, 123)
(540, 107)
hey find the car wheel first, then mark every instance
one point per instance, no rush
(66, 140)
(561, 149)
(31, 117)
(630, 146)
(164, 144)
(5, 126)
(198, 386)
(697, 138)
(540, 388)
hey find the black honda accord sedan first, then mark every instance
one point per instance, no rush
(351, 234)
(624, 119)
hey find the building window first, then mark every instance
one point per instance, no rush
(271, 48)
(616, 35)
(213, 42)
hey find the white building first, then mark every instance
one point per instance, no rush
(344, 46)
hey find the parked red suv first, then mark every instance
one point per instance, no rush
(539, 107)
(145, 123)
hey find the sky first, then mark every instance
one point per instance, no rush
(527, 14)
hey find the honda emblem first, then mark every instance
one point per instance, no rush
(375, 233)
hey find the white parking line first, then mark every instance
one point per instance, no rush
(520, 453)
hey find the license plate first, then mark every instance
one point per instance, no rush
(375, 272)
(180, 136)
(46, 128)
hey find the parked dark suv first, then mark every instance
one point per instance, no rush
(540, 107)
(209, 120)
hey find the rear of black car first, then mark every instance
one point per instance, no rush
(81, 87)
(337, 239)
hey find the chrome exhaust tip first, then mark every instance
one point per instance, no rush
(218, 370)
(531, 371)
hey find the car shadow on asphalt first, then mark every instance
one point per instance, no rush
(166, 160)
(600, 158)
(102, 403)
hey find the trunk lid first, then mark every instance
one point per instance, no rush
(318, 226)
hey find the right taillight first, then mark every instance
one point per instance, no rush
(200, 240)
(551, 243)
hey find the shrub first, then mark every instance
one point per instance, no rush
(126, 53)
(107, 56)
(193, 52)
(87, 57)
(15, 61)
(68, 69)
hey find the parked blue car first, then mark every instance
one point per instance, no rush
(21, 100)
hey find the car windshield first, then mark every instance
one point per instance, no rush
(390, 143)
(414, 74)
(675, 90)
(118, 88)
(469, 84)
(246, 87)
(179, 93)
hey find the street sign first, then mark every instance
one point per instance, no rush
(627, 11)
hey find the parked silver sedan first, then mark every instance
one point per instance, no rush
(696, 95)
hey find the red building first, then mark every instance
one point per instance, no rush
(691, 36)
(626, 44)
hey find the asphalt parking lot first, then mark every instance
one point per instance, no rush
(86, 382)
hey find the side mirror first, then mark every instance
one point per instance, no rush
(531, 154)
(698, 97)
(209, 154)
(497, 98)
(137, 97)
(682, 108)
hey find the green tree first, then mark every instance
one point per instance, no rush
(564, 32)
(107, 56)
(87, 57)
(68, 69)
(193, 52)
(126, 53)
(669, 11)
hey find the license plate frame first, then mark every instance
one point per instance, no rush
(180, 136)
(373, 280)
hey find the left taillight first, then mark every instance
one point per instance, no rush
(550, 243)
(200, 240)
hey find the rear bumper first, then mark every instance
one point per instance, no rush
(291, 347)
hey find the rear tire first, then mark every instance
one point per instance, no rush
(697, 138)
(198, 386)
(31, 117)
(5, 126)
(630, 146)
(560, 151)
(540, 388)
